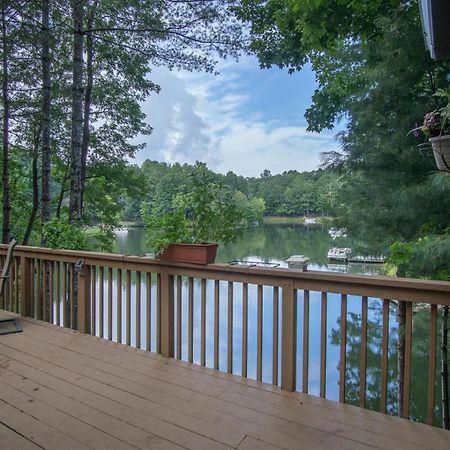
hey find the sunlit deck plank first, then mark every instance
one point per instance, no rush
(131, 395)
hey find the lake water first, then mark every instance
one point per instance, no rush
(275, 243)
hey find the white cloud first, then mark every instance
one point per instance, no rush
(213, 119)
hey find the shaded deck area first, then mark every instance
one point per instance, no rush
(63, 390)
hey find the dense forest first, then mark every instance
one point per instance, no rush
(75, 73)
(155, 185)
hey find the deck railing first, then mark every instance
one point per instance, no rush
(210, 315)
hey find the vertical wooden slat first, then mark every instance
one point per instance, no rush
(179, 316)
(94, 300)
(16, 285)
(363, 354)
(11, 287)
(259, 333)
(84, 299)
(148, 317)
(65, 299)
(323, 345)
(119, 306)
(203, 322)
(138, 310)
(72, 297)
(288, 336)
(275, 336)
(58, 293)
(167, 313)
(190, 319)
(38, 297)
(230, 329)
(110, 296)
(101, 304)
(158, 313)
(432, 365)
(44, 290)
(408, 347)
(305, 375)
(343, 349)
(216, 322)
(128, 308)
(244, 329)
(26, 307)
(50, 291)
(384, 356)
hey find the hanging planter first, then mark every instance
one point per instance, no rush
(441, 150)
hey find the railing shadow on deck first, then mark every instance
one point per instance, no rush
(254, 322)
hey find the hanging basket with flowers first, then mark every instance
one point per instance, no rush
(436, 126)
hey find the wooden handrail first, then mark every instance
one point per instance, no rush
(408, 289)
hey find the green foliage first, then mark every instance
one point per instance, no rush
(205, 212)
(59, 233)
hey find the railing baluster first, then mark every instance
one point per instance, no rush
(44, 291)
(138, 310)
(128, 308)
(72, 296)
(343, 349)
(158, 313)
(101, 298)
(38, 297)
(244, 328)
(203, 322)
(27, 281)
(408, 347)
(148, 317)
(384, 356)
(50, 291)
(305, 375)
(119, 306)
(275, 336)
(259, 332)
(432, 365)
(110, 296)
(58, 293)
(191, 319)
(179, 315)
(16, 285)
(323, 345)
(94, 300)
(363, 354)
(167, 315)
(230, 329)
(66, 322)
(288, 336)
(216, 322)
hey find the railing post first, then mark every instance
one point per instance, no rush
(26, 297)
(167, 315)
(84, 297)
(288, 336)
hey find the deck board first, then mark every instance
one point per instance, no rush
(62, 389)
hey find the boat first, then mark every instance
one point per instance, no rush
(339, 254)
(337, 232)
(310, 220)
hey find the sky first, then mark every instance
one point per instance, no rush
(245, 119)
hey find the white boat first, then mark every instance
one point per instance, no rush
(310, 220)
(337, 232)
(339, 254)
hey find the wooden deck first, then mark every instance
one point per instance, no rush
(63, 390)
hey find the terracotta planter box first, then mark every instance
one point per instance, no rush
(190, 253)
(441, 150)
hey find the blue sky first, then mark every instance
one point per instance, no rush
(245, 119)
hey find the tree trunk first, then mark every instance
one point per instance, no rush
(87, 101)
(6, 230)
(444, 370)
(401, 319)
(35, 189)
(75, 212)
(45, 119)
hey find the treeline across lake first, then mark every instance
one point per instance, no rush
(291, 193)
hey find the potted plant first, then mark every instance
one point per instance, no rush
(436, 126)
(200, 217)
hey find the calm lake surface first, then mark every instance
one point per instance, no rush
(275, 243)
